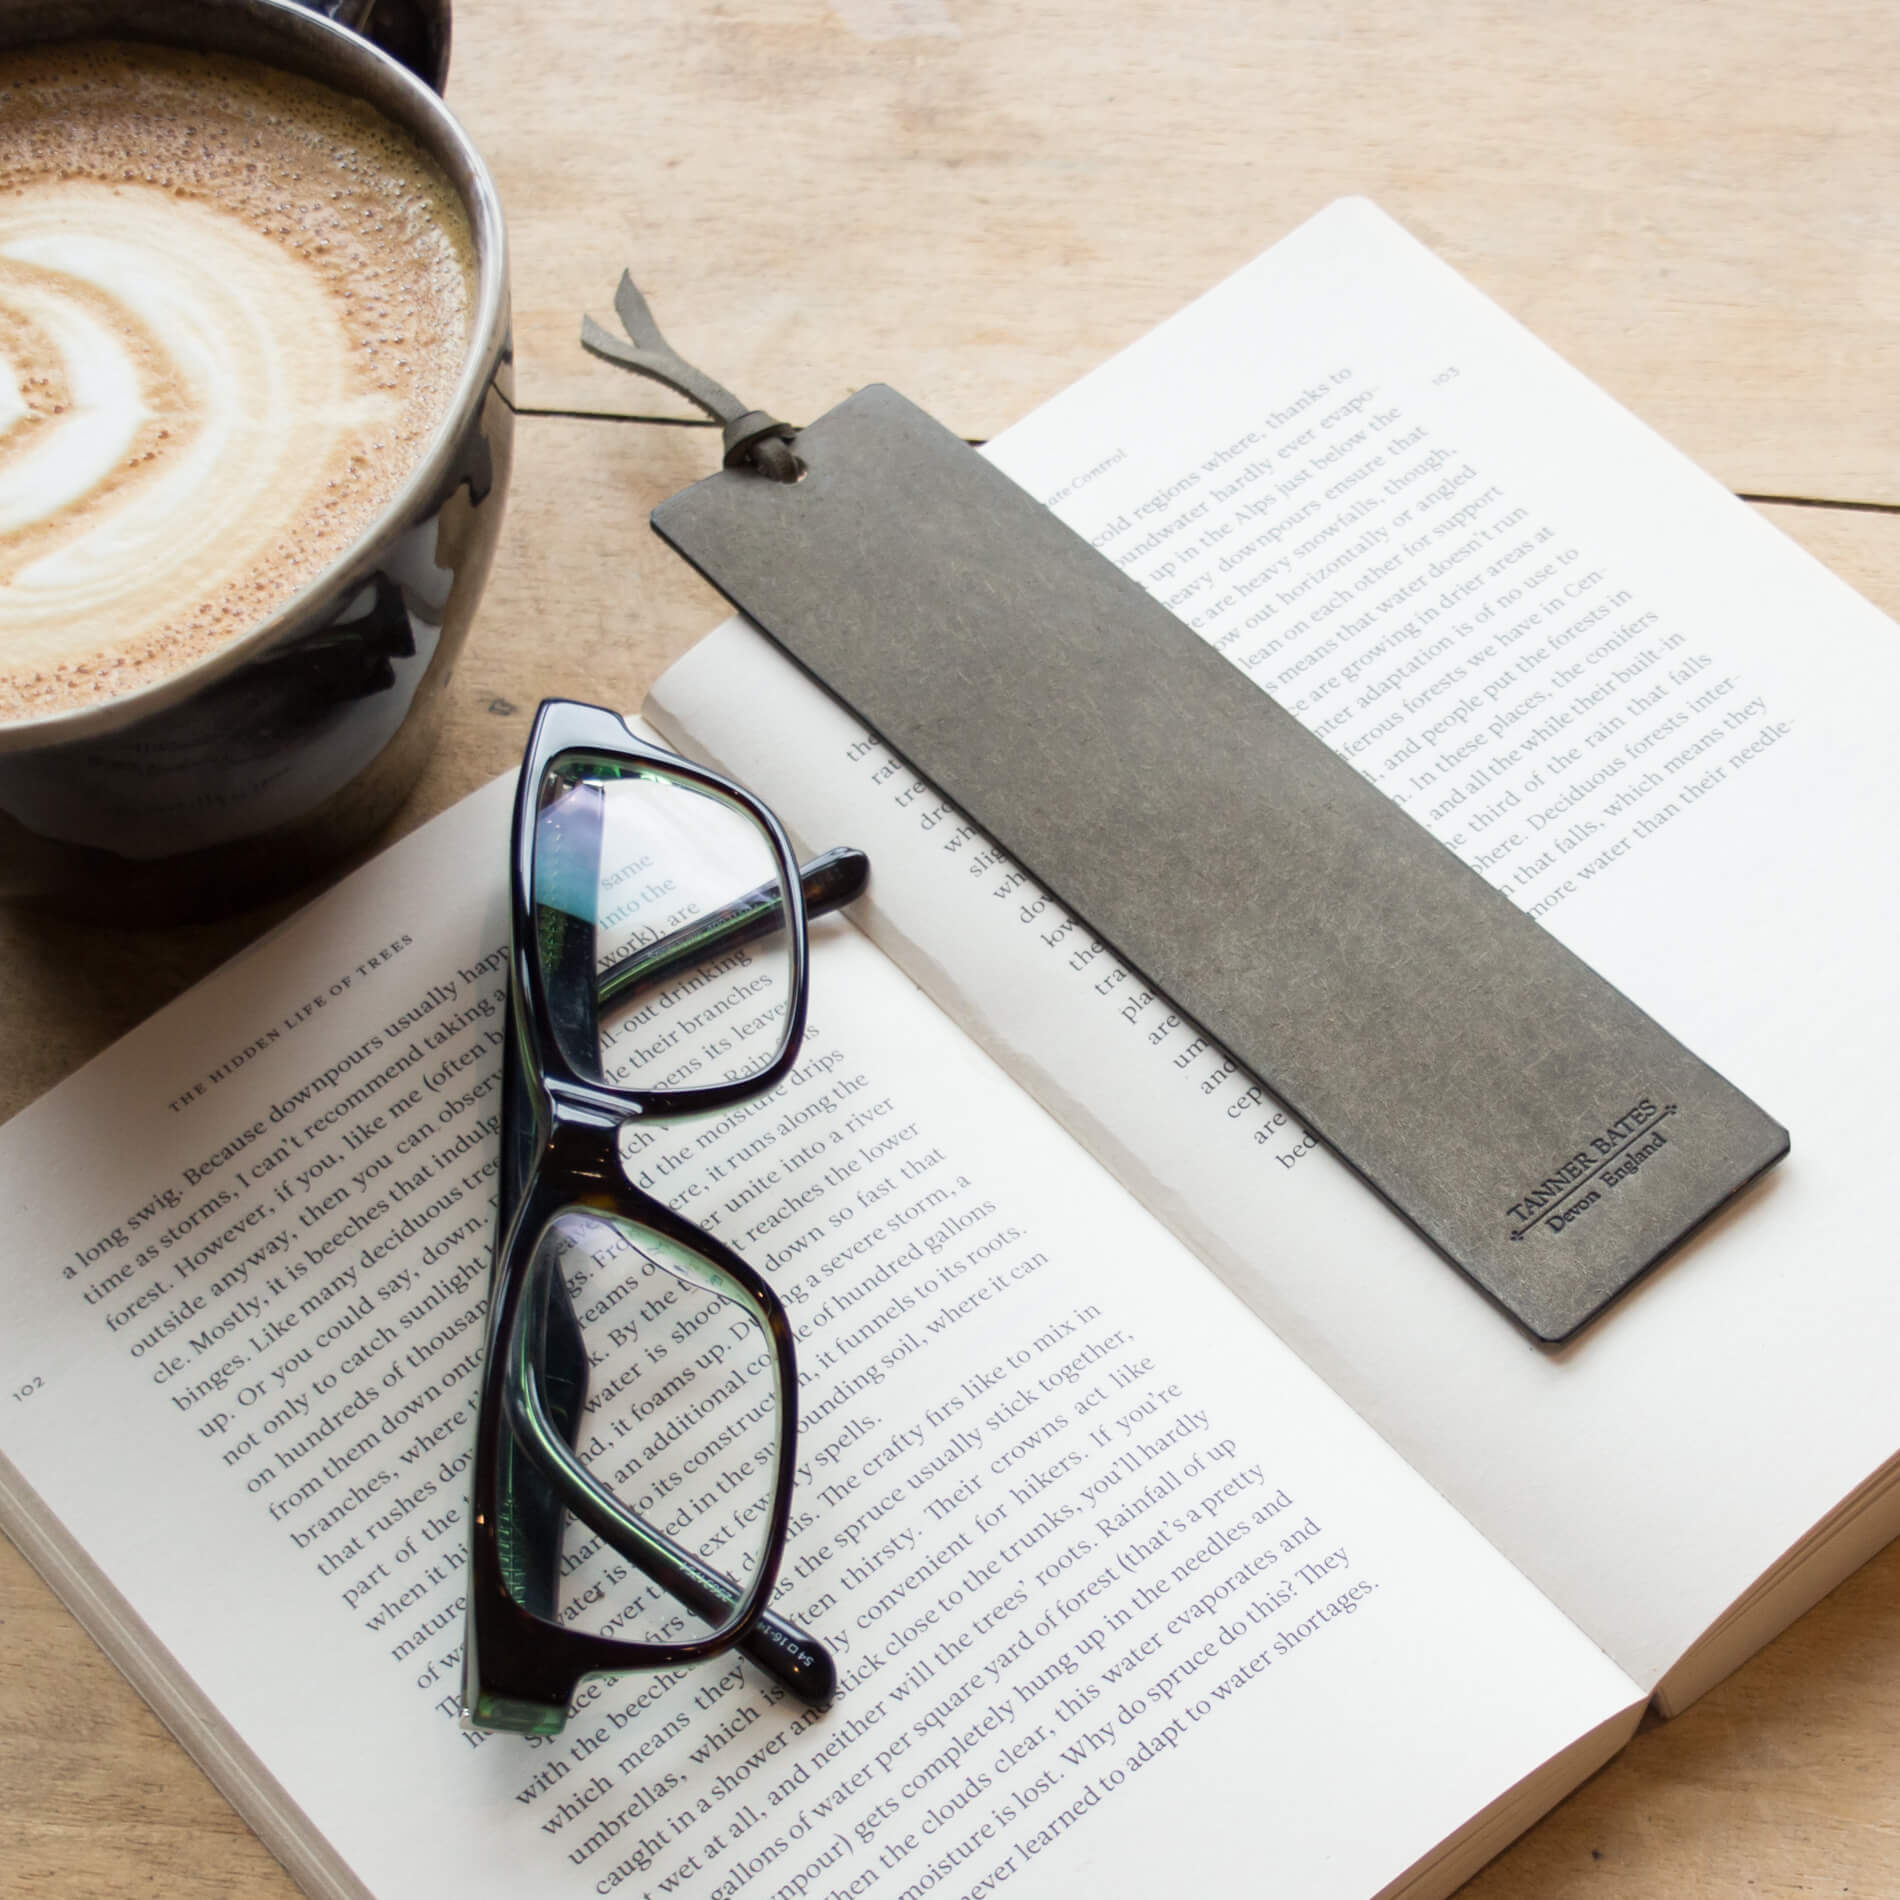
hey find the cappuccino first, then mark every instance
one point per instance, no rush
(234, 310)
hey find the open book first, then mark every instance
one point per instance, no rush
(1179, 1520)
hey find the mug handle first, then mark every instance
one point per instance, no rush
(416, 32)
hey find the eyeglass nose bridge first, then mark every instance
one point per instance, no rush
(582, 1145)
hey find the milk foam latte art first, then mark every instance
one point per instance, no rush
(234, 308)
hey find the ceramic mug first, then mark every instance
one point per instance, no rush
(245, 771)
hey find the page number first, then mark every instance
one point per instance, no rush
(34, 1384)
(1449, 374)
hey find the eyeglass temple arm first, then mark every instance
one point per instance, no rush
(780, 1648)
(829, 882)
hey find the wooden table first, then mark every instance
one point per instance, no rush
(976, 201)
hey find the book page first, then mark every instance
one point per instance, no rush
(1100, 1560)
(1621, 697)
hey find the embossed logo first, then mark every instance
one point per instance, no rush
(1583, 1180)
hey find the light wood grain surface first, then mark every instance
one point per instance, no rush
(976, 201)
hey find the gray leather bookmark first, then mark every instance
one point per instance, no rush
(1549, 1137)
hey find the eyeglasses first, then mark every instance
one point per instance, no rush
(657, 971)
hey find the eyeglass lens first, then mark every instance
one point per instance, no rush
(680, 1434)
(676, 895)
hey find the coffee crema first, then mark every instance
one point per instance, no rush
(234, 308)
